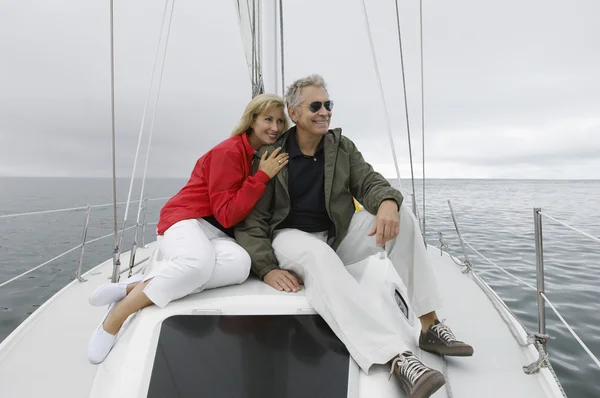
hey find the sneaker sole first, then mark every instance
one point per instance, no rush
(430, 387)
(449, 352)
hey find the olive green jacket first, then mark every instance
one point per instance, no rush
(347, 175)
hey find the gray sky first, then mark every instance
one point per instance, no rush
(512, 88)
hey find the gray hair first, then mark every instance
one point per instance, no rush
(292, 95)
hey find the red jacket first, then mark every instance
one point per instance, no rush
(220, 185)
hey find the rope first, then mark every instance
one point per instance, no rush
(581, 343)
(387, 119)
(499, 304)
(521, 281)
(496, 301)
(570, 227)
(514, 332)
(141, 133)
(447, 377)
(422, 107)
(412, 173)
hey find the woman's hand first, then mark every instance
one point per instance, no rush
(283, 280)
(274, 163)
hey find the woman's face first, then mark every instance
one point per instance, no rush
(268, 126)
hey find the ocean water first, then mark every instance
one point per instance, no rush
(495, 217)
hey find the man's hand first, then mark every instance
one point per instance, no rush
(387, 222)
(283, 280)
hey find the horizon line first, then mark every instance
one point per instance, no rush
(388, 178)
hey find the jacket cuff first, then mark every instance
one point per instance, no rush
(264, 270)
(261, 176)
(395, 199)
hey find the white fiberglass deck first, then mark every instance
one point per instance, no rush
(47, 354)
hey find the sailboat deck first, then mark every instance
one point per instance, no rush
(46, 355)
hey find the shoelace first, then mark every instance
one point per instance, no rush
(410, 367)
(443, 332)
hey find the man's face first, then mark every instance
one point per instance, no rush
(312, 116)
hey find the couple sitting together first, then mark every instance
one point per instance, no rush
(279, 202)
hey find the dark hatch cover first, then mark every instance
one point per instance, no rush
(249, 356)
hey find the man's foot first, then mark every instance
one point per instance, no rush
(439, 339)
(418, 380)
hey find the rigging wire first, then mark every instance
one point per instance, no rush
(162, 69)
(282, 47)
(412, 173)
(116, 262)
(387, 119)
(141, 132)
(422, 110)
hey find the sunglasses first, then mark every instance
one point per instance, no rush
(314, 107)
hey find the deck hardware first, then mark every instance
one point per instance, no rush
(467, 263)
(206, 311)
(539, 268)
(145, 209)
(83, 239)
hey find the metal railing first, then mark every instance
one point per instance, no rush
(542, 298)
(84, 241)
(540, 337)
(31, 213)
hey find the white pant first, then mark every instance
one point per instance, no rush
(337, 296)
(198, 256)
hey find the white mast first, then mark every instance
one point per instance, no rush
(270, 43)
(260, 21)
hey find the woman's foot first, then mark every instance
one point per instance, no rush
(101, 341)
(105, 335)
(111, 292)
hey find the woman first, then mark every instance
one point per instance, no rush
(195, 226)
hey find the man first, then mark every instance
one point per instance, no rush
(305, 229)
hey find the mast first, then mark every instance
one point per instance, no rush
(269, 27)
(260, 23)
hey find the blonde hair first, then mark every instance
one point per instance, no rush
(260, 104)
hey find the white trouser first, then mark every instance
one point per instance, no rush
(332, 291)
(196, 256)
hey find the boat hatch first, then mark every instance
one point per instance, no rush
(249, 356)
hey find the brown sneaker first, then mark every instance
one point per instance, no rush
(439, 339)
(418, 380)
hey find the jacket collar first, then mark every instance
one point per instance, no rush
(249, 149)
(292, 145)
